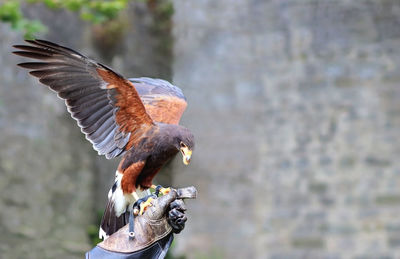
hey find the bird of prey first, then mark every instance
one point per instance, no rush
(136, 119)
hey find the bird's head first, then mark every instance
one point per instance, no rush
(185, 144)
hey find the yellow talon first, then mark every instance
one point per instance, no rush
(145, 205)
(165, 191)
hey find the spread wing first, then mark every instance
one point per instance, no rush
(106, 106)
(164, 102)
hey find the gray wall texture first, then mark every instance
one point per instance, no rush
(52, 183)
(295, 109)
(46, 170)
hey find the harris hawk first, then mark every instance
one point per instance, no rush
(136, 119)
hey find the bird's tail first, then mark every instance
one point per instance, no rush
(110, 223)
(115, 215)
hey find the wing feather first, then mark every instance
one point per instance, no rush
(105, 105)
(163, 101)
(81, 101)
(91, 109)
(85, 101)
(91, 124)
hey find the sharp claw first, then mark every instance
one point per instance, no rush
(159, 189)
(165, 191)
(144, 205)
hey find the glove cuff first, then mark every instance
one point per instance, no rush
(147, 231)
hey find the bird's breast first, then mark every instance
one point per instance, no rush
(159, 158)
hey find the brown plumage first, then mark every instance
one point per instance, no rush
(136, 118)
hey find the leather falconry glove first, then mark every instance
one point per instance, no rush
(153, 229)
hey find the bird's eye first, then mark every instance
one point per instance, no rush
(183, 144)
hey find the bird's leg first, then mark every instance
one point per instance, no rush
(145, 204)
(142, 204)
(135, 195)
(159, 189)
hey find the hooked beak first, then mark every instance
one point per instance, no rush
(186, 155)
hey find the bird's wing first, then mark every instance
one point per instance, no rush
(106, 106)
(164, 102)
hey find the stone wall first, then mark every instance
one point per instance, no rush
(295, 109)
(52, 183)
(46, 169)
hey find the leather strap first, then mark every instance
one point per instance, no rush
(158, 250)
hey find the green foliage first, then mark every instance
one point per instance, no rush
(93, 229)
(94, 11)
(10, 12)
(93, 233)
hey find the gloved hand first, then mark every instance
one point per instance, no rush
(176, 216)
(152, 229)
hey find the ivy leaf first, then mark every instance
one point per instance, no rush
(95, 11)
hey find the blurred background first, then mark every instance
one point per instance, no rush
(294, 106)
